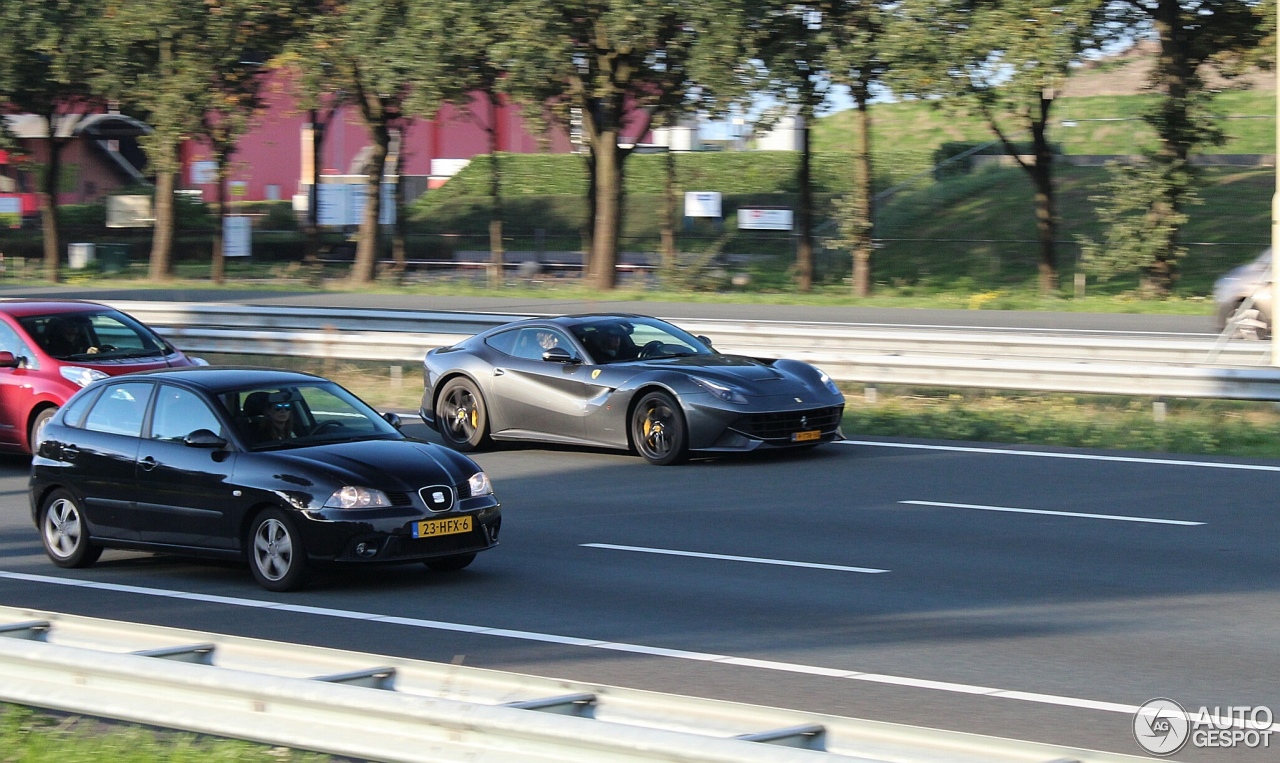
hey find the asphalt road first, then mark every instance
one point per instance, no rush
(1020, 319)
(1073, 617)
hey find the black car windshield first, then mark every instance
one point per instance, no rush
(617, 340)
(106, 335)
(269, 417)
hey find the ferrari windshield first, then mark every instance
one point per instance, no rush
(617, 340)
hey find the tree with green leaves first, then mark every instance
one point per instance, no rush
(610, 69)
(240, 39)
(861, 61)
(1007, 60)
(468, 66)
(1192, 34)
(797, 43)
(50, 55)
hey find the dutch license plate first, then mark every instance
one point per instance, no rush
(432, 528)
(812, 434)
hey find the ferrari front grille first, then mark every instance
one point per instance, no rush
(781, 425)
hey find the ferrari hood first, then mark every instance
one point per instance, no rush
(728, 368)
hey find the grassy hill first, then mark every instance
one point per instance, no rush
(971, 232)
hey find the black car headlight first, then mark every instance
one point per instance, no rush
(722, 391)
(350, 497)
(826, 382)
(479, 485)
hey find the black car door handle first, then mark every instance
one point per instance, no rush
(148, 463)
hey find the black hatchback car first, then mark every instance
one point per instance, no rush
(284, 470)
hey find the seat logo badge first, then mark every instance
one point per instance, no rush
(595, 373)
(804, 421)
(437, 497)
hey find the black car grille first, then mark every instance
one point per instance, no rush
(400, 499)
(779, 426)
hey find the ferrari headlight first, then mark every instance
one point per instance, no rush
(721, 391)
(350, 497)
(479, 484)
(81, 376)
(826, 382)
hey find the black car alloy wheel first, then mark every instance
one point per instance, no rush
(276, 554)
(63, 530)
(658, 430)
(464, 423)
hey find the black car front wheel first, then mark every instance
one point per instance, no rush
(277, 556)
(461, 416)
(64, 532)
(658, 430)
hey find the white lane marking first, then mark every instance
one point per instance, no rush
(1077, 456)
(679, 654)
(1113, 517)
(725, 557)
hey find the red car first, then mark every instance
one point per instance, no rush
(49, 349)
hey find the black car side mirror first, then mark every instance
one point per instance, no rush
(203, 438)
(392, 419)
(558, 355)
(705, 340)
(9, 360)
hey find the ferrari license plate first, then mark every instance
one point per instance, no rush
(432, 528)
(808, 436)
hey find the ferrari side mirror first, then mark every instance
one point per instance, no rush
(558, 355)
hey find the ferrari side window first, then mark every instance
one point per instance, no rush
(503, 342)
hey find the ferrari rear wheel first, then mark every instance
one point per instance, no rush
(658, 430)
(461, 413)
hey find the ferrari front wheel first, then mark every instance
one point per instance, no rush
(461, 415)
(658, 430)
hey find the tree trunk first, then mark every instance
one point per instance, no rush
(312, 256)
(364, 268)
(608, 186)
(804, 216)
(218, 267)
(589, 222)
(862, 246)
(398, 256)
(160, 268)
(1046, 213)
(669, 219)
(49, 207)
(1177, 135)
(496, 263)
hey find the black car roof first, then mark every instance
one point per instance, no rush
(221, 378)
(571, 320)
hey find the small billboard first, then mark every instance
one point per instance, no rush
(764, 219)
(132, 211)
(10, 212)
(702, 204)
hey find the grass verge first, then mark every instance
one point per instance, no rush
(34, 736)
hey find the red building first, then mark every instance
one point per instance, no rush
(274, 160)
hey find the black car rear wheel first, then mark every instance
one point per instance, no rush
(277, 556)
(658, 430)
(462, 416)
(450, 563)
(64, 532)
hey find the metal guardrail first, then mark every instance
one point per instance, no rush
(393, 709)
(1152, 364)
